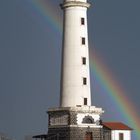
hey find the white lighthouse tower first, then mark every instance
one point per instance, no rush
(75, 118)
(75, 85)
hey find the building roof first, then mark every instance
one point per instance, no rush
(116, 126)
(44, 136)
(40, 136)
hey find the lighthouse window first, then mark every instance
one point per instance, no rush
(121, 136)
(82, 21)
(84, 81)
(84, 60)
(85, 101)
(83, 41)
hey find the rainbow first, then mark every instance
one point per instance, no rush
(43, 9)
(103, 76)
(115, 91)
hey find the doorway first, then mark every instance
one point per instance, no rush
(88, 136)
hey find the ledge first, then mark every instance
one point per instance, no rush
(74, 4)
(80, 109)
(79, 126)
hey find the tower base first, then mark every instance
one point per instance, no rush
(75, 123)
(75, 133)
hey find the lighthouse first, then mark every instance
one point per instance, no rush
(75, 118)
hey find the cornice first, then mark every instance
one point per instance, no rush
(74, 4)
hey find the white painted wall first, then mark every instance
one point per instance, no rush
(73, 91)
(115, 134)
(81, 116)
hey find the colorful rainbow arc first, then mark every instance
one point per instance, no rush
(46, 10)
(98, 68)
(106, 80)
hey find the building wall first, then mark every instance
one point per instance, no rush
(115, 134)
(76, 133)
(4, 137)
(75, 123)
(106, 134)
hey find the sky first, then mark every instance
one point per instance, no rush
(30, 58)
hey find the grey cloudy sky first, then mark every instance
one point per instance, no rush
(30, 52)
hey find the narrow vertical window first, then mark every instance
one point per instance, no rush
(85, 101)
(83, 41)
(84, 81)
(121, 137)
(82, 21)
(84, 60)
